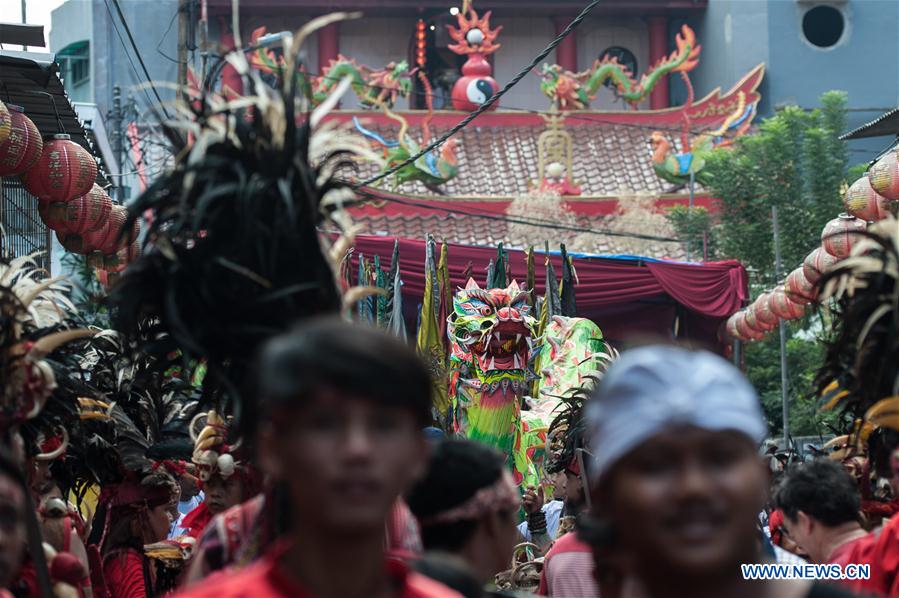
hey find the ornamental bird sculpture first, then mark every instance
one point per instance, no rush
(676, 167)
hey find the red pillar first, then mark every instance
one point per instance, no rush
(658, 49)
(328, 45)
(566, 52)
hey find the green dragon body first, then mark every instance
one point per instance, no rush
(375, 88)
(494, 350)
(568, 90)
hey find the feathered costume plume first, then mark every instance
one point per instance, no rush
(232, 255)
(865, 336)
(34, 365)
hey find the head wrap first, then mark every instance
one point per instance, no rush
(652, 388)
(502, 494)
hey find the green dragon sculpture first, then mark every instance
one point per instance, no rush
(375, 88)
(574, 91)
(494, 349)
(491, 333)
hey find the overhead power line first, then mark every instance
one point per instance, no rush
(492, 100)
(137, 54)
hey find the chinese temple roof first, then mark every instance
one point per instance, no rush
(498, 152)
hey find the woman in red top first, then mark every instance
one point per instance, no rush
(138, 514)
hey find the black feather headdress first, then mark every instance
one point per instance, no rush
(35, 327)
(233, 255)
(863, 345)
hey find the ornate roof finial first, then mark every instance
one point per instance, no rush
(475, 38)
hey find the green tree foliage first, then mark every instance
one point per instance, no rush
(87, 292)
(694, 228)
(795, 162)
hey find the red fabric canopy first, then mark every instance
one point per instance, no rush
(626, 297)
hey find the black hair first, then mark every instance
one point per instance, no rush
(822, 489)
(457, 469)
(328, 353)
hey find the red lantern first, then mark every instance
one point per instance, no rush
(746, 333)
(5, 122)
(64, 171)
(88, 212)
(884, 175)
(23, 147)
(120, 259)
(816, 264)
(841, 233)
(763, 313)
(731, 328)
(53, 214)
(862, 201)
(73, 243)
(108, 240)
(799, 289)
(752, 319)
(783, 306)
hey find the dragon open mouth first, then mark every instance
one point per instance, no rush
(506, 347)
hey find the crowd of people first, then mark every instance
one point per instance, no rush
(233, 433)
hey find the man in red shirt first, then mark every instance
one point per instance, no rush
(343, 409)
(821, 503)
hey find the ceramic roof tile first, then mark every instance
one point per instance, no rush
(503, 160)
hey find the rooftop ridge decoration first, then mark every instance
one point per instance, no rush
(575, 91)
(474, 38)
(678, 167)
(373, 87)
(554, 165)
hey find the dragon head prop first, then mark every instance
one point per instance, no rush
(492, 330)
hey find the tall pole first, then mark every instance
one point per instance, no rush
(182, 47)
(783, 337)
(690, 209)
(118, 140)
(24, 20)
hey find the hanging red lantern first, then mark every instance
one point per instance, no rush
(23, 147)
(5, 122)
(783, 306)
(120, 259)
(64, 171)
(73, 243)
(841, 233)
(799, 289)
(747, 332)
(752, 319)
(89, 211)
(816, 264)
(53, 214)
(884, 175)
(763, 313)
(731, 328)
(109, 240)
(862, 201)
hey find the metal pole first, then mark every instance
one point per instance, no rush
(783, 337)
(117, 140)
(182, 47)
(690, 210)
(24, 20)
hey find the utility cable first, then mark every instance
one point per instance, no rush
(492, 100)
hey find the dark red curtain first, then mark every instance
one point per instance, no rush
(627, 297)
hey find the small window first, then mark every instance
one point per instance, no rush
(823, 26)
(74, 61)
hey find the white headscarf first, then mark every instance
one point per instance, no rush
(652, 388)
